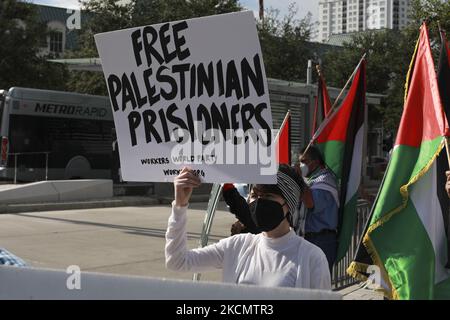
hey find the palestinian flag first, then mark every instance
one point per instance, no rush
(405, 236)
(322, 106)
(283, 141)
(340, 138)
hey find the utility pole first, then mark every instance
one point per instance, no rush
(261, 10)
(309, 73)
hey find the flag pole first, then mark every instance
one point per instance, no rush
(322, 78)
(333, 108)
(316, 104)
(348, 82)
(447, 149)
(441, 31)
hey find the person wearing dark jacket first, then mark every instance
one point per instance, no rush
(239, 207)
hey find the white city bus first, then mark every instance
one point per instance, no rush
(54, 135)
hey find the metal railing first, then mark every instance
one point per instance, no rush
(17, 154)
(340, 278)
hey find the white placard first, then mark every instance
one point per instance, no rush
(190, 93)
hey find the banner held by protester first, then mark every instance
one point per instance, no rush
(190, 93)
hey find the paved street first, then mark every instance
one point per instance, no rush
(125, 240)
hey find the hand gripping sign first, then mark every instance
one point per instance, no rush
(190, 93)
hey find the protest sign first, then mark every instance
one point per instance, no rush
(190, 93)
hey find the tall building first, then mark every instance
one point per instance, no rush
(347, 16)
(63, 28)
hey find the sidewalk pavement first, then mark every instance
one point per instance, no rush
(124, 235)
(118, 201)
(359, 292)
(122, 240)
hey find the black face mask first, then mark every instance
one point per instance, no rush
(266, 214)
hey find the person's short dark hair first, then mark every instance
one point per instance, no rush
(267, 188)
(313, 153)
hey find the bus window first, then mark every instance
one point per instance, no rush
(40, 140)
(26, 135)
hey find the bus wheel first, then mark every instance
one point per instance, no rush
(77, 168)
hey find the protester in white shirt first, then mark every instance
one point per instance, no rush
(277, 257)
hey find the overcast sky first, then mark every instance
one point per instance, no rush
(303, 5)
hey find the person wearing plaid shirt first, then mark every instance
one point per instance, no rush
(8, 259)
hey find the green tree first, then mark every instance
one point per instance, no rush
(21, 63)
(101, 16)
(284, 44)
(147, 12)
(433, 11)
(385, 62)
(389, 53)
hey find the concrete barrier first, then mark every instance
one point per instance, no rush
(70, 190)
(47, 284)
(57, 190)
(31, 192)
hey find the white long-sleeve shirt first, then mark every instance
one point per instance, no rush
(287, 261)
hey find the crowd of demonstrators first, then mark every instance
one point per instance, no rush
(316, 217)
(276, 256)
(238, 206)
